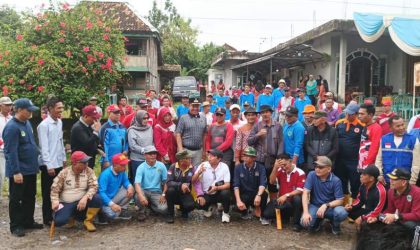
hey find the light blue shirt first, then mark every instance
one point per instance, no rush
(50, 137)
(110, 183)
(151, 178)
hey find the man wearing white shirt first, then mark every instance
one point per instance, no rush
(52, 158)
(5, 107)
(212, 184)
(206, 112)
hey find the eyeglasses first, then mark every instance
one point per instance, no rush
(219, 114)
(146, 118)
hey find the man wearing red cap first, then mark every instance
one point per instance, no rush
(115, 189)
(84, 133)
(73, 193)
(113, 136)
(383, 118)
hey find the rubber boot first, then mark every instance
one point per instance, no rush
(90, 215)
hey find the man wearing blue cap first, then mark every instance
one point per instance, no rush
(21, 155)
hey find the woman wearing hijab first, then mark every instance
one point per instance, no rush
(164, 137)
(140, 135)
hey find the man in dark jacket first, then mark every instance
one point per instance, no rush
(321, 140)
(180, 186)
(84, 136)
(21, 155)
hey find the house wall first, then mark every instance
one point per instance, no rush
(152, 81)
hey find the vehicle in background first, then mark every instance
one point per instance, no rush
(185, 85)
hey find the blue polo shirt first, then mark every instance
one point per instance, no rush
(277, 95)
(220, 100)
(293, 136)
(151, 178)
(250, 98)
(248, 180)
(265, 100)
(110, 183)
(323, 191)
(181, 110)
(213, 108)
(300, 105)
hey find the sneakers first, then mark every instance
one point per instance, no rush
(246, 216)
(336, 230)
(170, 219)
(297, 228)
(209, 212)
(225, 217)
(124, 215)
(101, 219)
(18, 232)
(264, 221)
(141, 217)
(316, 228)
(184, 215)
(34, 225)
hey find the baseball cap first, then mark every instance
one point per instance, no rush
(206, 104)
(120, 159)
(210, 94)
(282, 80)
(250, 110)
(91, 110)
(220, 111)
(113, 108)
(25, 103)
(93, 98)
(329, 94)
(185, 96)
(150, 149)
(235, 106)
(352, 109)
(269, 86)
(79, 156)
(265, 108)
(309, 109)
(319, 114)
(323, 161)
(387, 103)
(301, 90)
(286, 89)
(399, 174)
(291, 111)
(216, 152)
(371, 170)
(142, 102)
(250, 151)
(195, 102)
(184, 154)
(5, 101)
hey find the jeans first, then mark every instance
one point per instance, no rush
(22, 202)
(335, 215)
(120, 199)
(174, 196)
(46, 182)
(132, 170)
(222, 196)
(69, 210)
(153, 199)
(291, 208)
(347, 171)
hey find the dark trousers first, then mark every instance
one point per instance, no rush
(46, 182)
(174, 196)
(269, 164)
(132, 170)
(356, 213)
(313, 99)
(347, 172)
(248, 200)
(220, 196)
(69, 210)
(91, 162)
(291, 208)
(22, 202)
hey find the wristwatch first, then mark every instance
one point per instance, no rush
(396, 216)
(163, 194)
(287, 195)
(327, 204)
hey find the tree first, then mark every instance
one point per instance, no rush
(10, 22)
(180, 41)
(69, 53)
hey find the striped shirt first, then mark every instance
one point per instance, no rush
(192, 128)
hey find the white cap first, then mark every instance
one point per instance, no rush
(282, 80)
(5, 100)
(269, 86)
(235, 106)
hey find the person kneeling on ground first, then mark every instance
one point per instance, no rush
(326, 198)
(371, 198)
(403, 201)
(249, 185)
(73, 193)
(115, 189)
(291, 180)
(179, 185)
(150, 177)
(212, 180)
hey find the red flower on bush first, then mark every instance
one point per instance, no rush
(84, 69)
(125, 39)
(21, 81)
(19, 37)
(66, 6)
(6, 53)
(61, 40)
(68, 53)
(89, 25)
(62, 24)
(40, 62)
(40, 88)
(62, 32)
(38, 27)
(107, 29)
(29, 87)
(10, 80)
(106, 37)
(6, 63)
(101, 55)
(86, 49)
(98, 11)
(5, 90)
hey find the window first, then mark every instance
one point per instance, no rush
(136, 47)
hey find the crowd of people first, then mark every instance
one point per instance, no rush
(297, 154)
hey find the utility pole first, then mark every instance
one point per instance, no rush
(291, 30)
(314, 18)
(345, 5)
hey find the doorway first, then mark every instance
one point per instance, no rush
(361, 74)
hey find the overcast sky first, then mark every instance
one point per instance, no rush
(257, 25)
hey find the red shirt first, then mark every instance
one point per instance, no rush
(289, 183)
(382, 120)
(408, 203)
(125, 112)
(369, 145)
